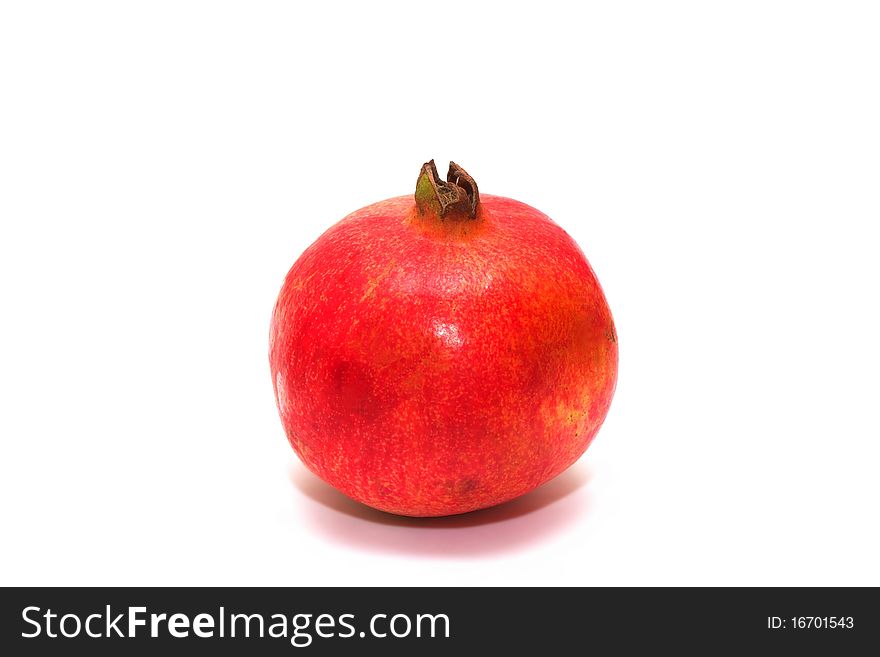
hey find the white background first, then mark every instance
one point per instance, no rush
(163, 164)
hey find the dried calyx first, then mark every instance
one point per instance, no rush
(457, 196)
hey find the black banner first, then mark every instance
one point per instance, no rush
(437, 621)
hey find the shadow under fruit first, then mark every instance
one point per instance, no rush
(443, 352)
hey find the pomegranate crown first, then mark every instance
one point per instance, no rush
(456, 196)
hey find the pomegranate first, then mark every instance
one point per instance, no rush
(437, 354)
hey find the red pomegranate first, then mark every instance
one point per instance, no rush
(442, 353)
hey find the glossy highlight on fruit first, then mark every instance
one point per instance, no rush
(444, 352)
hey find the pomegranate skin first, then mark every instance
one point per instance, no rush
(430, 366)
